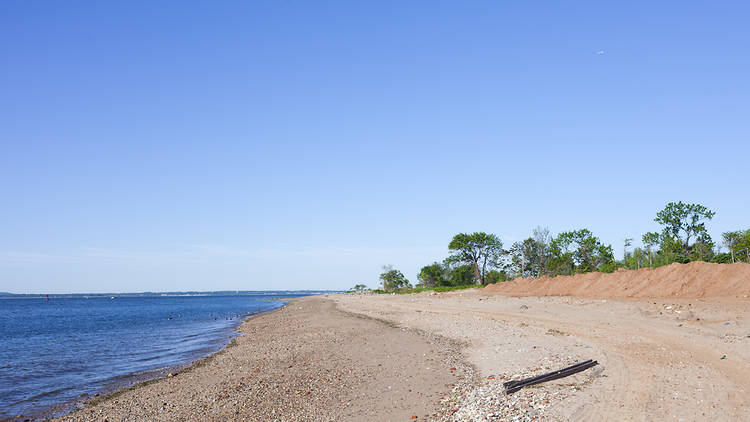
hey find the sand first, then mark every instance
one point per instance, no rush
(659, 360)
(673, 344)
(305, 362)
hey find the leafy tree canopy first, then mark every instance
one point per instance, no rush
(524, 258)
(462, 275)
(580, 251)
(434, 275)
(684, 222)
(358, 288)
(480, 250)
(732, 240)
(495, 276)
(650, 240)
(738, 243)
(393, 279)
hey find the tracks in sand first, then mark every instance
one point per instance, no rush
(657, 365)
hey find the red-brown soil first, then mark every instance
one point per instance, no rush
(693, 280)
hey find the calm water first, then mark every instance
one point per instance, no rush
(52, 352)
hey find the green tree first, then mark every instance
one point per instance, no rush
(579, 251)
(650, 239)
(524, 258)
(495, 276)
(684, 222)
(358, 288)
(530, 257)
(393, 279)
(561, 261)
(731, 240)
(702, 249)
(591, 254)
(434, 275)
(480, 250)
(722, 258)
(462, 275)
(626, 244)
(744, 246)
(671, 249)
(542, 248)
(638, 257)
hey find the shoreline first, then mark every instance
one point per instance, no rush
(306, 360)
(121, 384)
(445, 356)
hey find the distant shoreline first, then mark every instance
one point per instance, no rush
(6, 295)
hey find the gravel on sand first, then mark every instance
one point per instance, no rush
(308, 361)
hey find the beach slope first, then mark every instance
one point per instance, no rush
(308, 361)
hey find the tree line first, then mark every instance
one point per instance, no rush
(480, 259)
(684, 238)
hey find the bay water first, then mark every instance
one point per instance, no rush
(54, 353)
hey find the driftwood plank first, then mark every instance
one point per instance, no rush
(513, 386)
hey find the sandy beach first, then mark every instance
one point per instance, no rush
(306, 361)
(444, 356)
(451, 211)
(682, 360)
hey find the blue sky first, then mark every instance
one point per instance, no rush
(295, 145)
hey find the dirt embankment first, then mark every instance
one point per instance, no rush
(693, 280)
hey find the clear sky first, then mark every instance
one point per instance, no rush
(157, 145)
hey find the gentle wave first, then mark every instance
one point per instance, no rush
(57, 351)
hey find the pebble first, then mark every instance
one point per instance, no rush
(488, 401)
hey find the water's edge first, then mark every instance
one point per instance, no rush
(139, 379)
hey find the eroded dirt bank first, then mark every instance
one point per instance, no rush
(687, 281)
